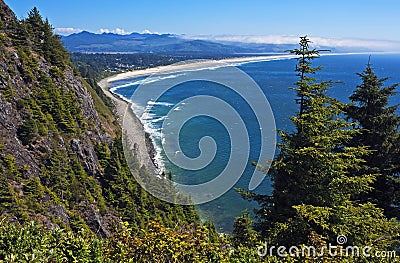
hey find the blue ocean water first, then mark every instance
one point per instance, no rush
(276, 78)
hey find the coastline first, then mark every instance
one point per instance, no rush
(142, 143)
(193, 65)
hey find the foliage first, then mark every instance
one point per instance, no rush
(56, 134)
(317, 175)
(243, 233)
(379, 127)
(40, 32)
(27, 131)
(32, 243)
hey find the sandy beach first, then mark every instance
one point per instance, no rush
(192, 65)
(133, 128)
(131, 123)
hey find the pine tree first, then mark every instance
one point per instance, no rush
(243, 232)
(313, 174)
(27, 131)
(35, 27)
(44, 41)
(379, 126)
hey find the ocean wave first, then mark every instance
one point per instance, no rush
(158, 119)
(177, 108)
(148, 121)
(159, 103)
(147, 80)
(147, 116)
(137, 82)
(155, 135)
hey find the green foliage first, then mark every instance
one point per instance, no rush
(31, 243)
(29, 64)
(7, 92)
(243, 232)
(27, 131)
(379, 127)
(2, 146)
(317, 175)
(124, 194)
(52, 105)
(44, 41)
(9, 164)
(6, 199)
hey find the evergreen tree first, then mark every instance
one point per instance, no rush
(35, 26)
(44, 41)
(27, 131)
(243, 232)
(313, 174)
(379, 126)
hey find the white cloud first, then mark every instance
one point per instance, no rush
(316, 41)
(67, 30)
(119, 31)
(146, 31)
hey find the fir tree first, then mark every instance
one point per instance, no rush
(313, 174)
(379, 126)
(243, 233)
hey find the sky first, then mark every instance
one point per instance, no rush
(249, 20)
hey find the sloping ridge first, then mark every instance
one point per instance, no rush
(61, 158)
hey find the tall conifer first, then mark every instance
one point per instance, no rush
(314, 175)
(379, 125)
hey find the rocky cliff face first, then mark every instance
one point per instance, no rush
(49, 129)
(61, 156)
(11, 116)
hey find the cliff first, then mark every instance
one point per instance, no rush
(61, 160)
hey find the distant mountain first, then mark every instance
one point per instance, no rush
(88, 42)
(163, 43)
(145, 43)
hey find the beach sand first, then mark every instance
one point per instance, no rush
(192, 65)
(133, 129)
(131, 124)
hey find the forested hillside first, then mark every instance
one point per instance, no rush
(61, 160)
(68, 195)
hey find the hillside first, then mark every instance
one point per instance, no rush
(144, 43)
(171, 44)
(61, 160)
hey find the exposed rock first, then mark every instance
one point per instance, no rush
(17, 85)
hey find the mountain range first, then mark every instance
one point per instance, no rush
(162, 43)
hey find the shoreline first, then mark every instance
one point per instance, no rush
(194, 65)
(207, 63)
(143, 145)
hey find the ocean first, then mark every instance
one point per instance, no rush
(275, 79)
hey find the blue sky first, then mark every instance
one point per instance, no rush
(355, 19)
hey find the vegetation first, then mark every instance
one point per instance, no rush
(77, 201)
(32, 243)
(379, 131)
(318, 175)
(72, 174)
(100, 65)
